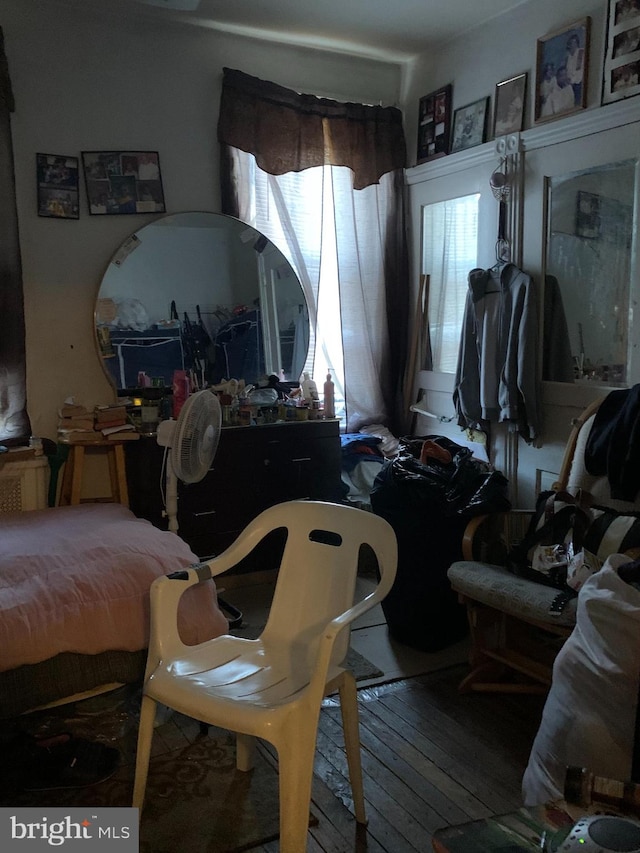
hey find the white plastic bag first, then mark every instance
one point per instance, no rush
(589, 716)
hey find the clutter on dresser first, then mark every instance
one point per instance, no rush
(270, 400)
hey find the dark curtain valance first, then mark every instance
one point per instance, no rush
(289, 132)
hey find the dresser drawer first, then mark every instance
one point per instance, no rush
(253, 468)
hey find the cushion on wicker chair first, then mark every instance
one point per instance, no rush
(499, 588)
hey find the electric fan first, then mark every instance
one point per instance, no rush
(192, 441)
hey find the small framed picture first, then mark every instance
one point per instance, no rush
(123, 182)
(562, 65)
(621, 73)
(470, 125)
(57, 179)
(434, 124)
(509, 105)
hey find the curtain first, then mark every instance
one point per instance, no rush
(14, 421)
(324, 181)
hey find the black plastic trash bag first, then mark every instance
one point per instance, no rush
(463, 485)
(428, 503)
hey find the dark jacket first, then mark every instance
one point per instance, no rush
(496, 378)
(613, 446)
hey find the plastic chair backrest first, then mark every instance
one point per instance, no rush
(318, 571)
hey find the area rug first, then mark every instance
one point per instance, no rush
(196, 800)
(362, 668)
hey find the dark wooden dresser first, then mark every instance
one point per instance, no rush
(254, 468)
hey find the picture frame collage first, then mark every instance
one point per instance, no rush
(117, 182)
(57, 185)
(559, 87)
(621, 76)
(123, 182)
(442, 132)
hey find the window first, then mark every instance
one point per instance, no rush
(335, 240)
(334, 177)
(449, 252)
(301, 204)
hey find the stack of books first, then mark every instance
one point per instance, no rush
(76, 423)
(112, 422)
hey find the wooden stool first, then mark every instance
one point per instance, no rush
(74, 470)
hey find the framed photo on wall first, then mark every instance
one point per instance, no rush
(509, 105)
(121, 182)
(57, 180)
(470, 125)
(434, 124)
(562, 65)
(621, 73)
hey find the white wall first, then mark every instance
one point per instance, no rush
(86, 82)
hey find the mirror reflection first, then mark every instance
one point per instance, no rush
(588, 275)
(201, 292)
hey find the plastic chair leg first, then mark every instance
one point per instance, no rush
(245, 751)
(145, 735)
(295, 766)
(350, 725)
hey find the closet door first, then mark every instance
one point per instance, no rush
(586, 241)
(440, 181)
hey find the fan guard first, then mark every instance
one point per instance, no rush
(196, 436)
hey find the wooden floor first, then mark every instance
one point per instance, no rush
(431, 758)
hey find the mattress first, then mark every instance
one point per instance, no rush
(75, 580)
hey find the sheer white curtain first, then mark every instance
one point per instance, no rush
(335, 238)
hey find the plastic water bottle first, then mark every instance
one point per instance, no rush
(309, 389)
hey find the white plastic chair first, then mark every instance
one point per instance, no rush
(272, 687)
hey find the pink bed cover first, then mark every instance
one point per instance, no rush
(76, 579)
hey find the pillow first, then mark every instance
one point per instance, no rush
(388, 441)
(589, 716)
(612, 532)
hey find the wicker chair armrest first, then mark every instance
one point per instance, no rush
(489, 538)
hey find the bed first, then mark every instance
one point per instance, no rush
(74, 600)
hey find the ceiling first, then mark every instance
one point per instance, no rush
(392, 30)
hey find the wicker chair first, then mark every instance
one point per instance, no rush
(514, 636)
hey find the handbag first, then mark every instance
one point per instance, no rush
(555, 536)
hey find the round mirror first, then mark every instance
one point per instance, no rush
(205, 293)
